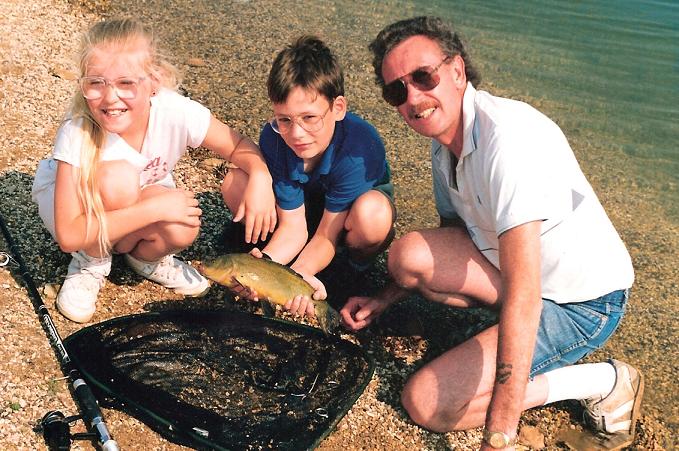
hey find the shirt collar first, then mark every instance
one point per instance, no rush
(468, 120)
(469, 126)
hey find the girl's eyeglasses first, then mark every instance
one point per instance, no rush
(309, 122)
(423, 78)
(94, 88)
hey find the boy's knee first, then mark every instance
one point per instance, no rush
(118, 184)
(370, 220)
(233, 186)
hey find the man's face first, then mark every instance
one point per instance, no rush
(436, 113)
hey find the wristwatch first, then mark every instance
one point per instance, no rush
(498, 440)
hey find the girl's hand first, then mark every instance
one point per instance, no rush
(179, 205)
(258, 206)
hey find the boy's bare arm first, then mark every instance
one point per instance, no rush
(290, 236)
(320, 250)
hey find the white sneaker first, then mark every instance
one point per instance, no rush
(78, 295)
(618, 412)
(171, 272)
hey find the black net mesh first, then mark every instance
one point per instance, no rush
(223, 379)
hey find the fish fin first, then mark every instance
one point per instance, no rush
(267, 309)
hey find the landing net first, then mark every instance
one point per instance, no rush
(223, 379)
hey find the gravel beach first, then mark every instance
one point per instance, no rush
(225, 50)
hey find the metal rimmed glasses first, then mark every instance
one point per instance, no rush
(94, 88)
(309, 122)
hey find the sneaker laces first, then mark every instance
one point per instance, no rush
(167, 268)
(95, 268)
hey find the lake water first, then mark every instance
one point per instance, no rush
(612, 65)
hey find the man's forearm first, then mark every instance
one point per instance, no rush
(516, 340)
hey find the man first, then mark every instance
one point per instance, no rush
(521, 232)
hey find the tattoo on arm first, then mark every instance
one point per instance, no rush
(503, 373)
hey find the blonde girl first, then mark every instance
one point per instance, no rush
(108, 185)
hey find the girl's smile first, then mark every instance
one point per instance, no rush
(126, 117)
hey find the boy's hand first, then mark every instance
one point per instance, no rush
(242, 291)
(258, 206)
(301, 305)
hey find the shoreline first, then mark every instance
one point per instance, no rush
(237, 55)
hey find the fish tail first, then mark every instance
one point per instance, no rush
(328, 318)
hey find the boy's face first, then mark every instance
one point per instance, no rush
(300, 113)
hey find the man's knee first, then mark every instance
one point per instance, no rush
(423, 407)
(409, 258)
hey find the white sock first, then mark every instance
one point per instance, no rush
(580, 381)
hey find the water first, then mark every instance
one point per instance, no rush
(611, 66)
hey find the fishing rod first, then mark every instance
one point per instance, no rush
(54, 425)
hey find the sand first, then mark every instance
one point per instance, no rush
(225, 52)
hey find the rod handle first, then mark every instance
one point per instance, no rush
(92, 415)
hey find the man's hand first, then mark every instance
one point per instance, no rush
(360, 311)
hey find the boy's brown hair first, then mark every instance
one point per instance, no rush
(309, 64)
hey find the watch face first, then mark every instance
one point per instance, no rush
(498, 440)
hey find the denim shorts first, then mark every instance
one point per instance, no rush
(569, 332)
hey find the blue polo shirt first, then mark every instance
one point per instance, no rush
(353, 163)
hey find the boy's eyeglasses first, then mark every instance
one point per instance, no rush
(423, 78)
(309, 122)
(94, 88)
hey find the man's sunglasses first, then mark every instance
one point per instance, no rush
(423, 78)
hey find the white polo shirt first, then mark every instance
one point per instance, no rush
(516, 167)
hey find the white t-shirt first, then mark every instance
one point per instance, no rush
(175, 123)
(516, 166)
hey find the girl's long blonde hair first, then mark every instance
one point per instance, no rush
(121, 35)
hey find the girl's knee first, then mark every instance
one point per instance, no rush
(179, 236)
(118, 184)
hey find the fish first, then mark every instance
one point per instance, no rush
(272, 281)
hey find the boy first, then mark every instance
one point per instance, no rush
(330, 175)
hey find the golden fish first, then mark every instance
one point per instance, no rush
(270, 280)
